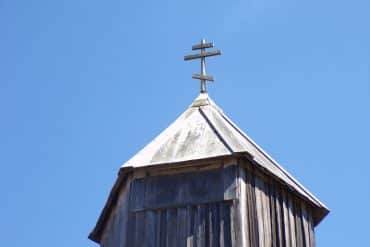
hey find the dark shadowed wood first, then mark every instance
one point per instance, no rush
(252, 210)
(298, 225)
(292, 229)
(131, 229)
(182, 228)
(201, 229)
(225, 226)
(139, 229)
(311, 229)
(306, 231)
(163, 228)
(183, 189)
(273, 207)
(190, 227)
(214, 209)
(150, 233)
(171, 235)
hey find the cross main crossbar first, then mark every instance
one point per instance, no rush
(203, 54)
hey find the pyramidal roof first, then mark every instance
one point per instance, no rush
(204, 131)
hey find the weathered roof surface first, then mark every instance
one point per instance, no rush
(204, 131)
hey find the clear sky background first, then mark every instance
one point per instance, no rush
(86, 84)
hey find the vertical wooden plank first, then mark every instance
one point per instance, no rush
(291, 221)
(311, 228)
(298, 226)
(243, 214)
(273, 218)
(139, 229)
(150, 234)
(279, 219)
(137, 194)
(190, 226)
(157, 228)
(106, 239)
(114, 234)
(196, 226)
(182, 227)
(236, 224)
(110, 236)
(266, 214)
(222, 225)
(252, 210)
(286, 227)
(123, 206)
(130, 240)
(306, 231)
(201, 227)
(210, 226)
(215, 225)
(163, 229)
(207, 221)
(171, 220)
(225, 240)
(260, 209)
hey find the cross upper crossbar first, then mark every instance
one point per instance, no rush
(201, 46)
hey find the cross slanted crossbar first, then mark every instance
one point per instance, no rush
(203, 77)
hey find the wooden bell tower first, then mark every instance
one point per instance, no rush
(204, 182)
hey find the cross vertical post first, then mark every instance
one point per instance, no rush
(202, 55)
(203, 85)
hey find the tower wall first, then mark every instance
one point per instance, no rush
(210, 205)
(272, 214)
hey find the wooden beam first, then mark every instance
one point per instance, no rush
(203, 77)
(203, 54)
(202, 46)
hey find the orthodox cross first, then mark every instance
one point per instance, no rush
(203, 77)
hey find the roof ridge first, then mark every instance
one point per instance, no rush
(218, 134)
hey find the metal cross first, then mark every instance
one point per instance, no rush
(203, 77)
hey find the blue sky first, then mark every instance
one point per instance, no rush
(84, 85)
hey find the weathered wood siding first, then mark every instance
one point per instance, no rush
(272, 215)
(223, 207)
(115, 230)
(178, 190)
(198, 225)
